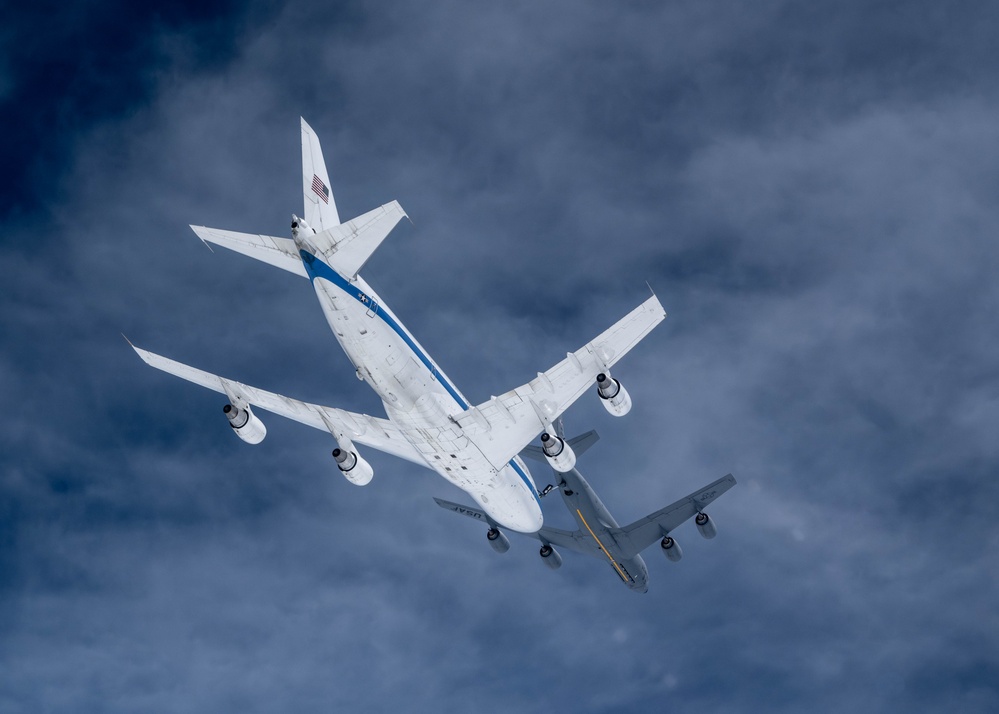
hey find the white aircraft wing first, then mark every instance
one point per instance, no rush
(504, 425)
(637, 536)
(279, 252)
(379, 434)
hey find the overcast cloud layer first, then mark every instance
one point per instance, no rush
(811, 189)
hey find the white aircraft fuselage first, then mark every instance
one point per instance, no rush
(429, 422)
(418, 397)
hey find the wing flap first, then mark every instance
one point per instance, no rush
(638, 536)
(279, 252)
(504, 425)
(376, 433)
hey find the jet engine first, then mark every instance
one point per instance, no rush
(671, 549)
(245, 424)
(705, 526)
(497, 540)
(354, 468)
(560, 455)
(614, 397)
(550, 557)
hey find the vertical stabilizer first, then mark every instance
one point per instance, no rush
(320, 208)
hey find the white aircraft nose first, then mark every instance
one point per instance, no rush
(515, 513)
(530, 524)
(528, 518)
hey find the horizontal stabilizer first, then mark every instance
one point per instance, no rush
(579, 446)
(279, 252)
(347, 247)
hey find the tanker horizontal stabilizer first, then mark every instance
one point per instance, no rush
(579, 445)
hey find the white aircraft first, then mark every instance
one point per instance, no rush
(430, 423)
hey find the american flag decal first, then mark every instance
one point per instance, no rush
(320, 188)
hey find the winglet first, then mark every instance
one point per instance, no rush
(579, 445)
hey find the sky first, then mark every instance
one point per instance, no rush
(810, 189)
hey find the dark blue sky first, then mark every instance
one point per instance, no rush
(811, 191)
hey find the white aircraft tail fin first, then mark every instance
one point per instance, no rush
(320, 208)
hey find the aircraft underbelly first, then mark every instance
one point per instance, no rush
(422, 407)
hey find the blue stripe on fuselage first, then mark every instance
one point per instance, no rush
(316, 268)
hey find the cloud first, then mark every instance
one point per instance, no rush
(808, 191)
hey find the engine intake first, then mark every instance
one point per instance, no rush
(550, 557)
(613, 396)
(246, 425)
(497, 540)
(560, 455)
(354, 468)
(705, 526)
(671, 549)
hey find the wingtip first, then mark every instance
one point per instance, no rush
(654, 300)
(141, 352)
(197, 232)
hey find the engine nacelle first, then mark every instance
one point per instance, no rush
(245, 424)
(550, 557)
(671, 549)
(499, 542)
(614, 397)
(560, 455)
(705, 526)
(354, 468)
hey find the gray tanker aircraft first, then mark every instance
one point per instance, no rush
(599, 534)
